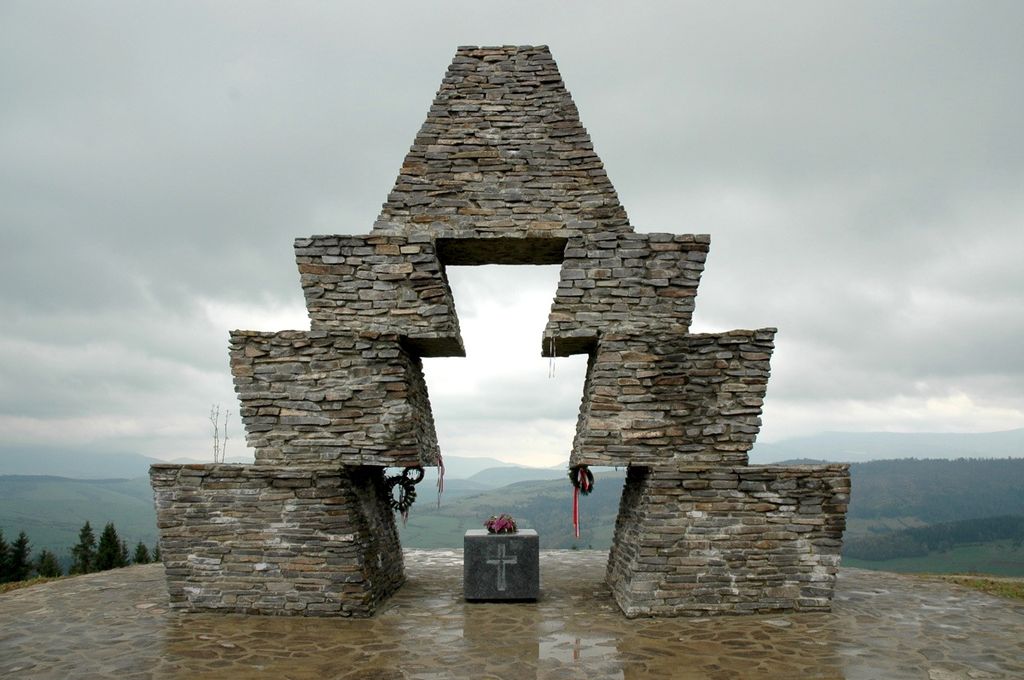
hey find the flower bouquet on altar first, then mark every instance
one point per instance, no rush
(501, 524)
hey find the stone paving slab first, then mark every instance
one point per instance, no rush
(117, 624)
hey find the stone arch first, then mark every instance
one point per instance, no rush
(501, 172)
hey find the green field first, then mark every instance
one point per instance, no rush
(1000, 558)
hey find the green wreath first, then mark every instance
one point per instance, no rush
(406, 496)
(410, 477)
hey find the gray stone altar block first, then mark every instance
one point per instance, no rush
(501, 566)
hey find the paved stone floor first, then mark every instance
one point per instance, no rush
(116, 625)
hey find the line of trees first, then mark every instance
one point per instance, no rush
(87, 556)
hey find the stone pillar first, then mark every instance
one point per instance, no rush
(728, 540)
(277, 540)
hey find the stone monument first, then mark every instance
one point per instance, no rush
(501, 172)
(501, 566)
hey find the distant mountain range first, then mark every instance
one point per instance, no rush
(858, 447)
(491, 472)
(50, 492)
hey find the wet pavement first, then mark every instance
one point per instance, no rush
(117, 624)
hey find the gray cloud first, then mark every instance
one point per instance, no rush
(859, 167)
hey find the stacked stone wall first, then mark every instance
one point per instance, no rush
(380, 284)
(502, 153)
(276, 540)
(673, 399)
(312, 397)
(720, 540)
(624, 283)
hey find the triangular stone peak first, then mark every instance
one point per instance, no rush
(502, 154)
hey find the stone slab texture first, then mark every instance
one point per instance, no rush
(382, 284)
(276, 539)
(501, 172)
(502, 153)
(624, 282)
(720, 540)
(313, 397)
(673, 399)
(501, 566)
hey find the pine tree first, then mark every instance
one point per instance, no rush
(156, 553)
(47, 565)
(84, 553)
(124, 559)
(108, 552)
(141, 554)
(21, 566)
(5, 559)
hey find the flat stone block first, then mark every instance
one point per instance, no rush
(501, 566)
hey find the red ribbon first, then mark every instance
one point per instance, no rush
(576, 511)
(582, 484)
(440, 478)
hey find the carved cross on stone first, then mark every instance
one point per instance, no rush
(501, 562)
(501, 566)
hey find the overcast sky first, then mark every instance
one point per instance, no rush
(859, 166)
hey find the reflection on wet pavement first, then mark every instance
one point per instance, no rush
(116, 624)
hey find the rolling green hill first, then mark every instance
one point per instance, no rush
(918, 541)
(51, 510)
(542, 505)
(938, 490)
(998, 558)
(502, 476)
(891, 495)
